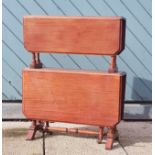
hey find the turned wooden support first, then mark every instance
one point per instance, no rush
(33, 63)
(47, 124)
(39, 37)
(71, 130)
(35, 126)
(36, 63)
(37, 58)
(113, 65)
(32, 131)
(112, 135)
(110, 139)
(100, 135)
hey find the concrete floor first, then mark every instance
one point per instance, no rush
(135, 139)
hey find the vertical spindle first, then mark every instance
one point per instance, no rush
(113, 65)
(33, 64)
(38, 62)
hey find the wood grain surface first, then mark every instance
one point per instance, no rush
(80, 35)
(81, 97)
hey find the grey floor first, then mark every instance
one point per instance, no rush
(135, 139)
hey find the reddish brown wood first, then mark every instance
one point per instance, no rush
(47, 124)
(71, 130)
(123, 83)
(111, 136)
(72, 96)
(36, 63)
(33, 64)
(31, 132)
(113, 65)
(82, 97)
(83, 35)
(100, 135)
(87, 132)
(109, 143)
(36, 125)
(57, 129)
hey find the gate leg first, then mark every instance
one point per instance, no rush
(100, 135)
(46, 126)
(36, 125)
(111, 136)
(32, 131)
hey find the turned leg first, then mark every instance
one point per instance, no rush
(100, 135)
(47, 124)
(109, 143)
(33, 64)
(111, 136)
(32, 131)
(36, 63)
(36, 125)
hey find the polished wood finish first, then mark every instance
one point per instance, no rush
(113, 65)
(72, 130)
(36, 63)
(83, 35)
(100, 135)
(72, 96)
(111, 136)
(82, 97)
(35, 126)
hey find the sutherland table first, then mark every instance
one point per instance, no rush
(74, 96)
